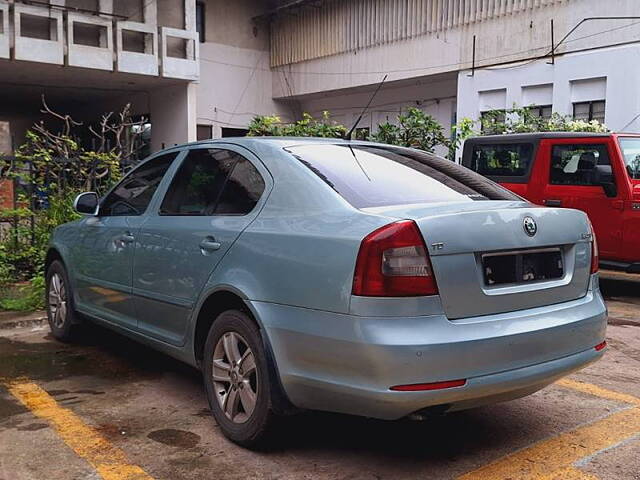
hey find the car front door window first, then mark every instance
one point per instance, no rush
(105, 250)
(212, 198)
(132, 195)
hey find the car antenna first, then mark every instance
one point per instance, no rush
(364, 110)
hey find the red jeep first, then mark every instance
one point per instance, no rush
(598, 173)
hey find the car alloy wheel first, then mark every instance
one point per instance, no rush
(57, 300)
(235, 377)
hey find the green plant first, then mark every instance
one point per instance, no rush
(459, 133)
(415, 129)
(28, 297)
(49, 170)
(307, 126)
(524, 120)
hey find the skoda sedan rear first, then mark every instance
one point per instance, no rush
(331, 275)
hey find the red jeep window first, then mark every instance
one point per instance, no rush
(630, 147)
(576, 164)
(501, 159)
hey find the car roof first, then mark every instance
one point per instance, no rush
(253, 143)
(537, 136)
(281, 141)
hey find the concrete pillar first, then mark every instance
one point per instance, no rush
(173, 115)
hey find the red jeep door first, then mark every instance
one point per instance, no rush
(573, 182)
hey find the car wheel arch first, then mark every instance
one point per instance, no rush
(53, 254)
(215, 302)
(221, 300)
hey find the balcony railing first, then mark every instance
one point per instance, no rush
(5, 45)
(53, 34)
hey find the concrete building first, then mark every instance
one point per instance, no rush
(202, 69)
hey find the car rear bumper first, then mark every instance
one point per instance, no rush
(347, 363)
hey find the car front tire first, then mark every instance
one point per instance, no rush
(236, 378)
(63, 320)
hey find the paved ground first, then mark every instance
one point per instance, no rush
(111, 408)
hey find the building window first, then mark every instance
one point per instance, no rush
(204, 132)
(234, 132)
(200, 21)
(588, 111)
(541, 111)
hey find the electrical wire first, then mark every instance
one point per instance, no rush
(630, 122)
(140, 10)
(454, 64)
(564, 41)
(246, 87)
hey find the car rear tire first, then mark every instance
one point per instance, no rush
(63, 320)
(236, 378)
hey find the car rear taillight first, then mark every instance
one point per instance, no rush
(421, 387)
(595, 256)
(393, 262)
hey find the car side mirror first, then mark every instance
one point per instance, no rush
(604, 178)
(86, 203)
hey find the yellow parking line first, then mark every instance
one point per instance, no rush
(569, 473)
(109, 461)
(548, 458)
(552, 459)
(598, 391)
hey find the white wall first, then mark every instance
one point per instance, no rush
(505, 37)
(173, 116)
(434, 96)
(235, 85)
(236, 82)
(612, 74)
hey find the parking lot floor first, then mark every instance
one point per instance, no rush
(113, 409)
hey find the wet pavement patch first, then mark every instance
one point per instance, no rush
(9, 406)
(99, 353)
(175, 438)
(204, 413)
(32, 427)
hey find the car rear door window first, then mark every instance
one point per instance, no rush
(242, 189)
(376, 176)
(213, 182)
(501, 160)
(132, 195)
(575, 164)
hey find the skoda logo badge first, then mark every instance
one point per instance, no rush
(530, 226)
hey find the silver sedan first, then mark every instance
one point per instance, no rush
(341, 276)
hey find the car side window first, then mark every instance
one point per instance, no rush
(576, 164)
(501, 160)
(213, 182)
(132, 195)
(242, 190)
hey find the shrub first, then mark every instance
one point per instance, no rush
(49, 170)
(272, 126)
(415, 129)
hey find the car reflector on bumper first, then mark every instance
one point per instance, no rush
(418, 387)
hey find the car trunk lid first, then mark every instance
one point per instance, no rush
(485, 261)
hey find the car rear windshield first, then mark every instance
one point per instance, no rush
(501, 159)
(376, 176)
(630, 147)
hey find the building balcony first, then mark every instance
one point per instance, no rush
(100, 40)
(5, 47)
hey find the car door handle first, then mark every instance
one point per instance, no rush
(209, 244)
(553, 203)
(127, 238)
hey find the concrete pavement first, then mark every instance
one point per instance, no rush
(111, 408)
